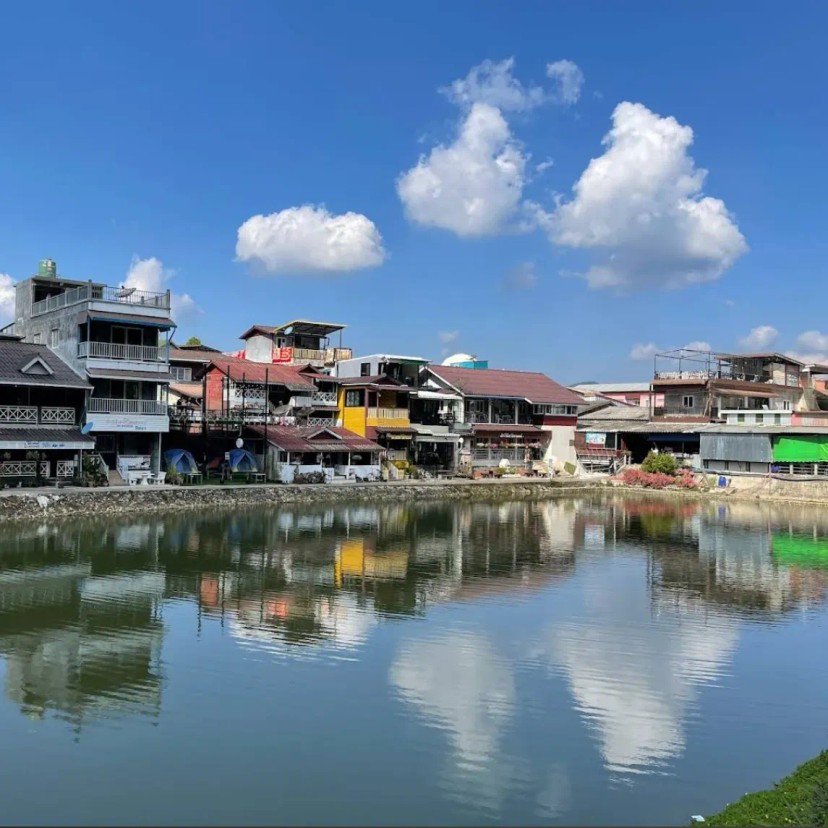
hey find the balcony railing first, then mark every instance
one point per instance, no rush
(101, 405)
(102, 293)
(112, 350)
(388, 413)
(32, 415)
(320, 398)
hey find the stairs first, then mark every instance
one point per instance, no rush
(115, 478)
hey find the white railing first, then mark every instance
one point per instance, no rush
(65, 468)
(100, 405)
(496, 455)
(112, 350)
(313, 400)
(57, 416)
(102, 293)
(388, 413)
(26, 414)
(322, 422)
(24, 468)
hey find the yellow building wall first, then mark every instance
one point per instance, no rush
(388, 399)
(352, 418)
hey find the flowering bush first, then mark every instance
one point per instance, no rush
(658, 480)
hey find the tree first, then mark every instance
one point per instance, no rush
(193, 340)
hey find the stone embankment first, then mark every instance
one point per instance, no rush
(45, 503)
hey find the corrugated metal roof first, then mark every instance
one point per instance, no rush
(293, 377)
(71, 436)
(134, 319)
(15, 356)
(313, 438)
(116, 373)
(494, 382)
(750, 448)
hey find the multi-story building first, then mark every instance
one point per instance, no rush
(404, 369)
(41, 406)
(630, 393)
(513, 416)
(112, 336)
(298, 342)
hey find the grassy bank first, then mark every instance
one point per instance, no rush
(799, 799)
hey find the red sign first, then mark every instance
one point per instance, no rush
(283, 355)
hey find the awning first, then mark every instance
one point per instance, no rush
(735, 392)
(513, 428)
(141, 376)
(426, 437)
(44, 438)
(125, 318)
(423, 394)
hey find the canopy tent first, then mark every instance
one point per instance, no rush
(180, 460)
(800, 550)
(801, 448)
(241, 460)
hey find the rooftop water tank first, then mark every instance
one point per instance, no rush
(46, 268)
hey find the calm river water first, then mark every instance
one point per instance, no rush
(583, 661)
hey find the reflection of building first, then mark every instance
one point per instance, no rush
(82, 645)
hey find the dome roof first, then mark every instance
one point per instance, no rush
(455, 358)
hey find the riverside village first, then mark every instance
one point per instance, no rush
(97, 389)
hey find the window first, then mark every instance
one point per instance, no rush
(37, 338)
(365, 369)
(180, 374)
(760, 418)
(354, 398)
(53, 338)
(740, 418)
(546, 408)
(777, 419)
(786, 405)
(688, 401)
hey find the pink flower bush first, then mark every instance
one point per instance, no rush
(657, 480)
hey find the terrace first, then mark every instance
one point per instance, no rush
(93, 292)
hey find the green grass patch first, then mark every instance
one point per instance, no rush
(798, 799)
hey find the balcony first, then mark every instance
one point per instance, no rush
(34, 415)
(102, 293)
(388, 414)
(148, 408)
(129, 353)
(321, 399)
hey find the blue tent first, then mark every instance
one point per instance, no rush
(241, 460)
(180, 460)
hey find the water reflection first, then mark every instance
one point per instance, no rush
(598, 622)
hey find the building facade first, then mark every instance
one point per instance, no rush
(298, 342)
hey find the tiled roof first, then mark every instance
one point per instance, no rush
(71, 436)
(314, 438)
(492, 382)
(293, 377)
(15, 356)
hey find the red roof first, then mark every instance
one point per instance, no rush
(493, 382)
(294, 377)
(314, 438)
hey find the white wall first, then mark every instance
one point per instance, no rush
(561, 446)
(259, 348)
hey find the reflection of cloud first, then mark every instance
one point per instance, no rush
(555, 796)
(461, 686)
(634, 677)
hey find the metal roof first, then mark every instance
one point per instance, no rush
(610, 387)
(71, 437)
(15, 356)
(308, 327)
(314, 438)
(118, 374)
(133, 319)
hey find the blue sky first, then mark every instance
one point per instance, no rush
(149, 134)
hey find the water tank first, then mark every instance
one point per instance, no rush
(465, 361)
(46, 268)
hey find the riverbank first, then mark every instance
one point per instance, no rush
(798, 799)
(28, 504)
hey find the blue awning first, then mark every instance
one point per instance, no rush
(165, 323)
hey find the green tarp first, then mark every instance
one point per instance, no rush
(800, 550)
(801, 448)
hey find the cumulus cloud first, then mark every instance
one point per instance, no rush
(811, 347)
(568, 79)
(641, 205)
(760, 338)
(520, 277)
(447, 337)
(493, 83)
(644, 350)
(698, 345)
(544, 166)
(473, 186)
(151, 275)
(309, 239)
(6, 298)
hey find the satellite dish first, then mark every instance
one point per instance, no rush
(87, 428)
(239, 442)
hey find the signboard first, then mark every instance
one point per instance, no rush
(46, 444)
(134, 423)
(282, 354)
(596, 438)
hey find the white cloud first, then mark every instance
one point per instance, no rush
(544, 166)
(447, 337)
(644, 350)
(698, 345)
(641, 203)
(310, 239)
(6, 298)
(760, 338)
(151, 275)
(568, 78)
(812, 346)
(520, 277)
(493, 83)
(473, 186)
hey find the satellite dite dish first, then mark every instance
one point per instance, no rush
(239, 442)
(87, 428)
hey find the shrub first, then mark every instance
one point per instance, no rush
(658, 480)
(659, 463)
